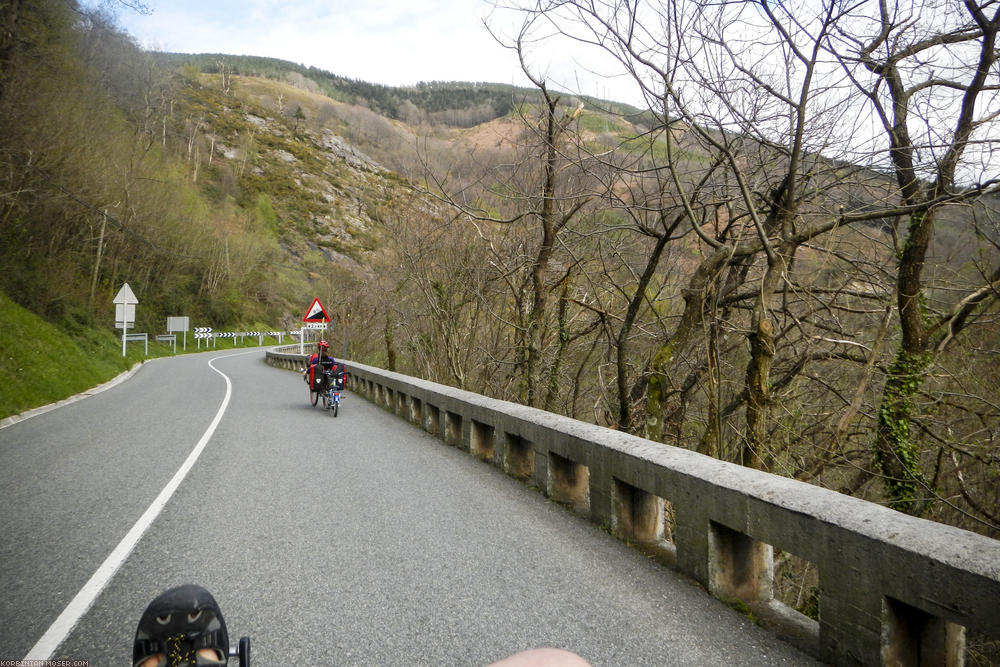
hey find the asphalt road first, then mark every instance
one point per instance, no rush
(356, 540)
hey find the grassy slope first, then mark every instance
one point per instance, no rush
(41, 363)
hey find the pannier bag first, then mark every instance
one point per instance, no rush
(338, 376)
(316, 377)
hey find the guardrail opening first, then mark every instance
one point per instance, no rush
(914, 637)
(519, 457)
(433, 423)
(569, 483)
(481, 441)
(645, 520)
(453, 428)
(740, 568)
(796, 584)
(638, 515)
(416, 411)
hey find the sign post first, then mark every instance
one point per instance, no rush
(315, 315)
(125, 303)
(175, 324)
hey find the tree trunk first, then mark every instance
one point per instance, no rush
(897, 455)
(390, 345)
(711, 439)
(539, 303)
(621, 343)
(758, 392)
(555, 379)
(658, 407)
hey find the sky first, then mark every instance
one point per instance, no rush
(390, 42)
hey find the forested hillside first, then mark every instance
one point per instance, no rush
(742, 275)
(120, 169)
(458, 104)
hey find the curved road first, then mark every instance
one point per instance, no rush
(359, 540)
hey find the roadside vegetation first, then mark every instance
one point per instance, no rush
(41, 363)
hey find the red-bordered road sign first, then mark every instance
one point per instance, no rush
(316, 313)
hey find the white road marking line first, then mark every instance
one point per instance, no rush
(78, 606)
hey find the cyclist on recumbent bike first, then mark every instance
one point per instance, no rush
(325, 377)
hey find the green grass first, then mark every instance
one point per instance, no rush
(41, 363)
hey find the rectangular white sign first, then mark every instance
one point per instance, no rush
(178, 324)
(124, 315)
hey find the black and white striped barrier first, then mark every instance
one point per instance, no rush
(203, 333)
(206, 333)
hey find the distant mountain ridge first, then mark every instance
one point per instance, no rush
(438, 101)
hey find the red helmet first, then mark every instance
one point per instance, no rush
(323, 345)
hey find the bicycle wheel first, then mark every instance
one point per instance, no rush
(314, 396)
(244, 651)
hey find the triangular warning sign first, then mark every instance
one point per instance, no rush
(316, 313)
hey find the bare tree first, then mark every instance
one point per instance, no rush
(827, 124)
(928, 72)
(534, 190)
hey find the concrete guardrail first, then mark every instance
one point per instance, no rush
(894, 589)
